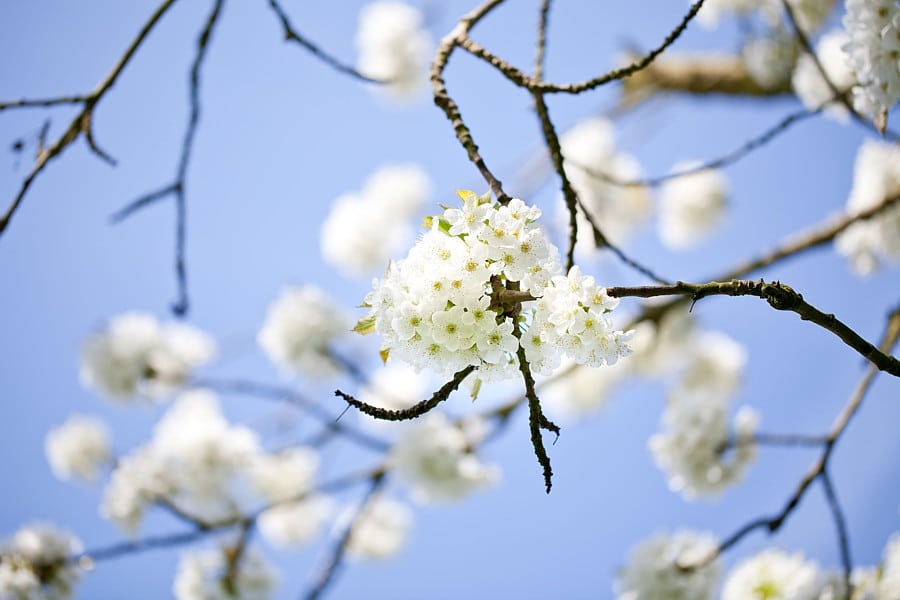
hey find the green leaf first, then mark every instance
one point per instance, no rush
(384, 353)
(365, 326)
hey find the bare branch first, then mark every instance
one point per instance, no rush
(292, 35)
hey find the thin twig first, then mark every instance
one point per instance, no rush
(542, 40)
(329, 569)
(81, 124)
(779, 297)
(287, 395)
(292, 35)
(840, 524)
(44, 102)
(416, 410)
(443, 100)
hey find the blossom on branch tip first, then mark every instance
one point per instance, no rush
(436, 461)
(394, 47)
(136, 355)
(773, 574)
(78, 448)
(299, 329)
(205, 575)
(656, 568)
(34, 564)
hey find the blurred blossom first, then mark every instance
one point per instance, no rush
(365, 230)
(135, 354)
(395, 386)
(691, 206)
(589, 149)
(769, 60)
(873, 27)
(380, 531)
(299, 330)
(876, 177)
(78, 448)
(205, 575)
(437, 463)
(809, 85)
(576, 391)
(34, 564)
(775, 575)
(655, 570)
(295, 523)
(394, 47)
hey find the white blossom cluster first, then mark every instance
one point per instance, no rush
(212, 470)
(394, 47)
(873, 27)
(809, 85)
(775, 575)
(876, 177)
(78, 448)
(442, 307)
(380, 530)
(365, 229)
(769, 59)
(436, 461)
(590, 153)
(810, 14)
(299, 329)
(204, 575)
(691, 206)
(34, 564)
(692, 447)
(136, 354)
(656, 568)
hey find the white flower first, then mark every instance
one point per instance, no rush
(691, 450)
(299, 329)
(656, 570)
(873, 27)
(811, 87)
(363, 231)
(193, 461)
(435, 460)
(889, 582)
(286, 474)
(294, 523)
(876, 177)
(135, 354)
(774, 575)
(394, 47)
(78, 448)
(770, 59)
(380, 531)
(589, 150)
(691, 206)
(204, 576)
(35, 565)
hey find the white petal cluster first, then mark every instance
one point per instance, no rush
(136, 354)
(394, 47)
(691, 206)
(589, 150)
(656, 570)
(873, 27)
(436, 461)
(775, 575)
(364, 230)
(572, 318)
(380, 531)
(34, 564)
(442, 306)
(204, 576)
(281, 477)
(770, 59)
(691, 449)
(889, 582)
(78, 448)
(876, 176)
(811, 87)
(208, 468)
(299, 329)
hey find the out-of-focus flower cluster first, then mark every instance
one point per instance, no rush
(873, 28)
(443, 307)
(35, 564)
(664, 567)
(135, 354)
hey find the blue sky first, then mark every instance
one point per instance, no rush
(281, 136)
